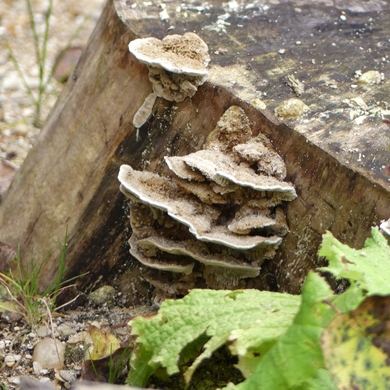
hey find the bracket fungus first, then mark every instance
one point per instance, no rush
(217, 216)
(385, 228)
(177, 66)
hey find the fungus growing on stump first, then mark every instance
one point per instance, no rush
(385, 229)
(216, 218)
(177, 66)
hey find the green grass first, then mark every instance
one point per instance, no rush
(23, 286)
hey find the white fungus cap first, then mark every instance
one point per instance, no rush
(183, 54)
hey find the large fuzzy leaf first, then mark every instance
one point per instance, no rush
(369, 267)
(216, 314)
(295, 361)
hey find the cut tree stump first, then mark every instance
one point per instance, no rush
(337, 154)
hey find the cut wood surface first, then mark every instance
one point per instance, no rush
(337, 154)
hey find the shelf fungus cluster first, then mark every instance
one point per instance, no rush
(177, 66)
(217, 216)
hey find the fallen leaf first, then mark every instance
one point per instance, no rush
(104, 343)
(107, 369)
(10, 309)
(356, 346)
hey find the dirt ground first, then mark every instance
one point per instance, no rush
(17, 109)
(17, 135)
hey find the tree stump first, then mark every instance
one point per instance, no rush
(336, 154)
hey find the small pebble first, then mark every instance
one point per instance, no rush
(37, 368)
(96, 323)
(20, 129)
(77, 338)
(370, 77)
(67, 63)
(28, 111)
(15, 380)
(104, 294)
(49, 353)
(12, 82)
(65, 330)
(122, 331)
(43, 331)
(290, 109)
(9, 360)
(68, 375)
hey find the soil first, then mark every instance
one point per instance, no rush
(18, 131)
(74, 329)
(17, 109)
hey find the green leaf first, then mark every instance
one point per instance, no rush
(295, 361)
(369, 267)
(356, 346)
(216, 314)
(140, 370)
(350, 299)
(321, 381)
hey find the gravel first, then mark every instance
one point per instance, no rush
(56, 356)
(17, 111)
(17, 135)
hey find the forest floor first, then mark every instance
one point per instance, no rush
(18, 131)
(69, 18)
(67, 346)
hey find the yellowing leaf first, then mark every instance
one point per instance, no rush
(104, 343)
(356, 346)
(10, 308)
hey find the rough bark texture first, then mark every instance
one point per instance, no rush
(69, 179)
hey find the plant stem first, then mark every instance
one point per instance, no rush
(40, 48)
(19, 71)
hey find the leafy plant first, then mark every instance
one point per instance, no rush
(215, 314)
(23, 287)
(40, 46)
(369, 267)
(281, 341)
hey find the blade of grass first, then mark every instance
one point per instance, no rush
(42, 82)
(23, 284)
(38, 55)
(19, 71)
(40, 48)
(34, 31)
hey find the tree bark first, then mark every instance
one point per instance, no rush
(69, 179)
